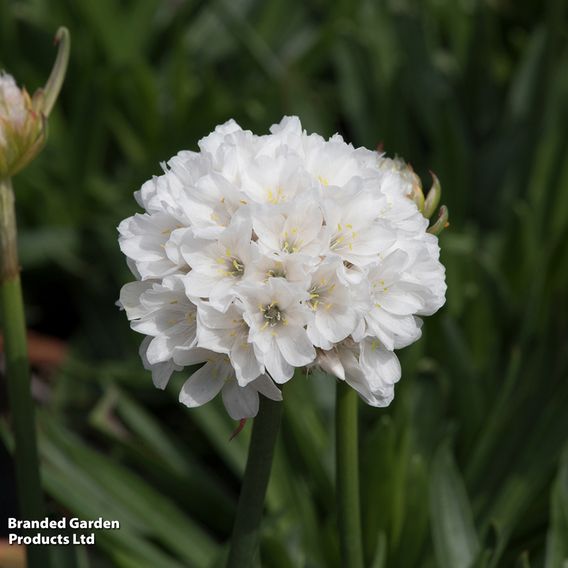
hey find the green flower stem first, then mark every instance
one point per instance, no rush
(347, 476)
(30, 496)
(245, 538)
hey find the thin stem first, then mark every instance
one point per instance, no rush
(30, 496)
(347, 476)
(9, 267)
(244, 541)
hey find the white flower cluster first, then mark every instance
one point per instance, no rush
(261, 254)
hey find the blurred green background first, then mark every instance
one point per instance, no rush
(466, 467)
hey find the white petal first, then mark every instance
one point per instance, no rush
(159, 350)
(400, 303)
(276, 365)
(222, 293)
(216, 319)
(202, 386)
(317, 338)
(382, 366)
(336, 323)
(240, 402)
(161, 372)
(130, 298)
(247, 366)
(192, 356)
(199, 285)
(265, 386)
(219, 340)
(296, 348)
(329, 361)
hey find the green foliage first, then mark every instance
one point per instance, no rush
(455, 540)
(460, 470)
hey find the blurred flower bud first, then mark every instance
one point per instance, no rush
(23, 119)
(22, 129)
(426, 205)
(14, 105)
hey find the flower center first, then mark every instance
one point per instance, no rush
(272, 315)
(344, 236)
(318, 294)
(276, 272)
(290, 242)
(314, 300)
(235, 267)
(276, 196)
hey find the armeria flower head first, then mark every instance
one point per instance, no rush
(23, 119)
(257, 256)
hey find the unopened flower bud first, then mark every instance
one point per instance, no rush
(21, 127)
(408, 176)
(13, 107)
(23, 119)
